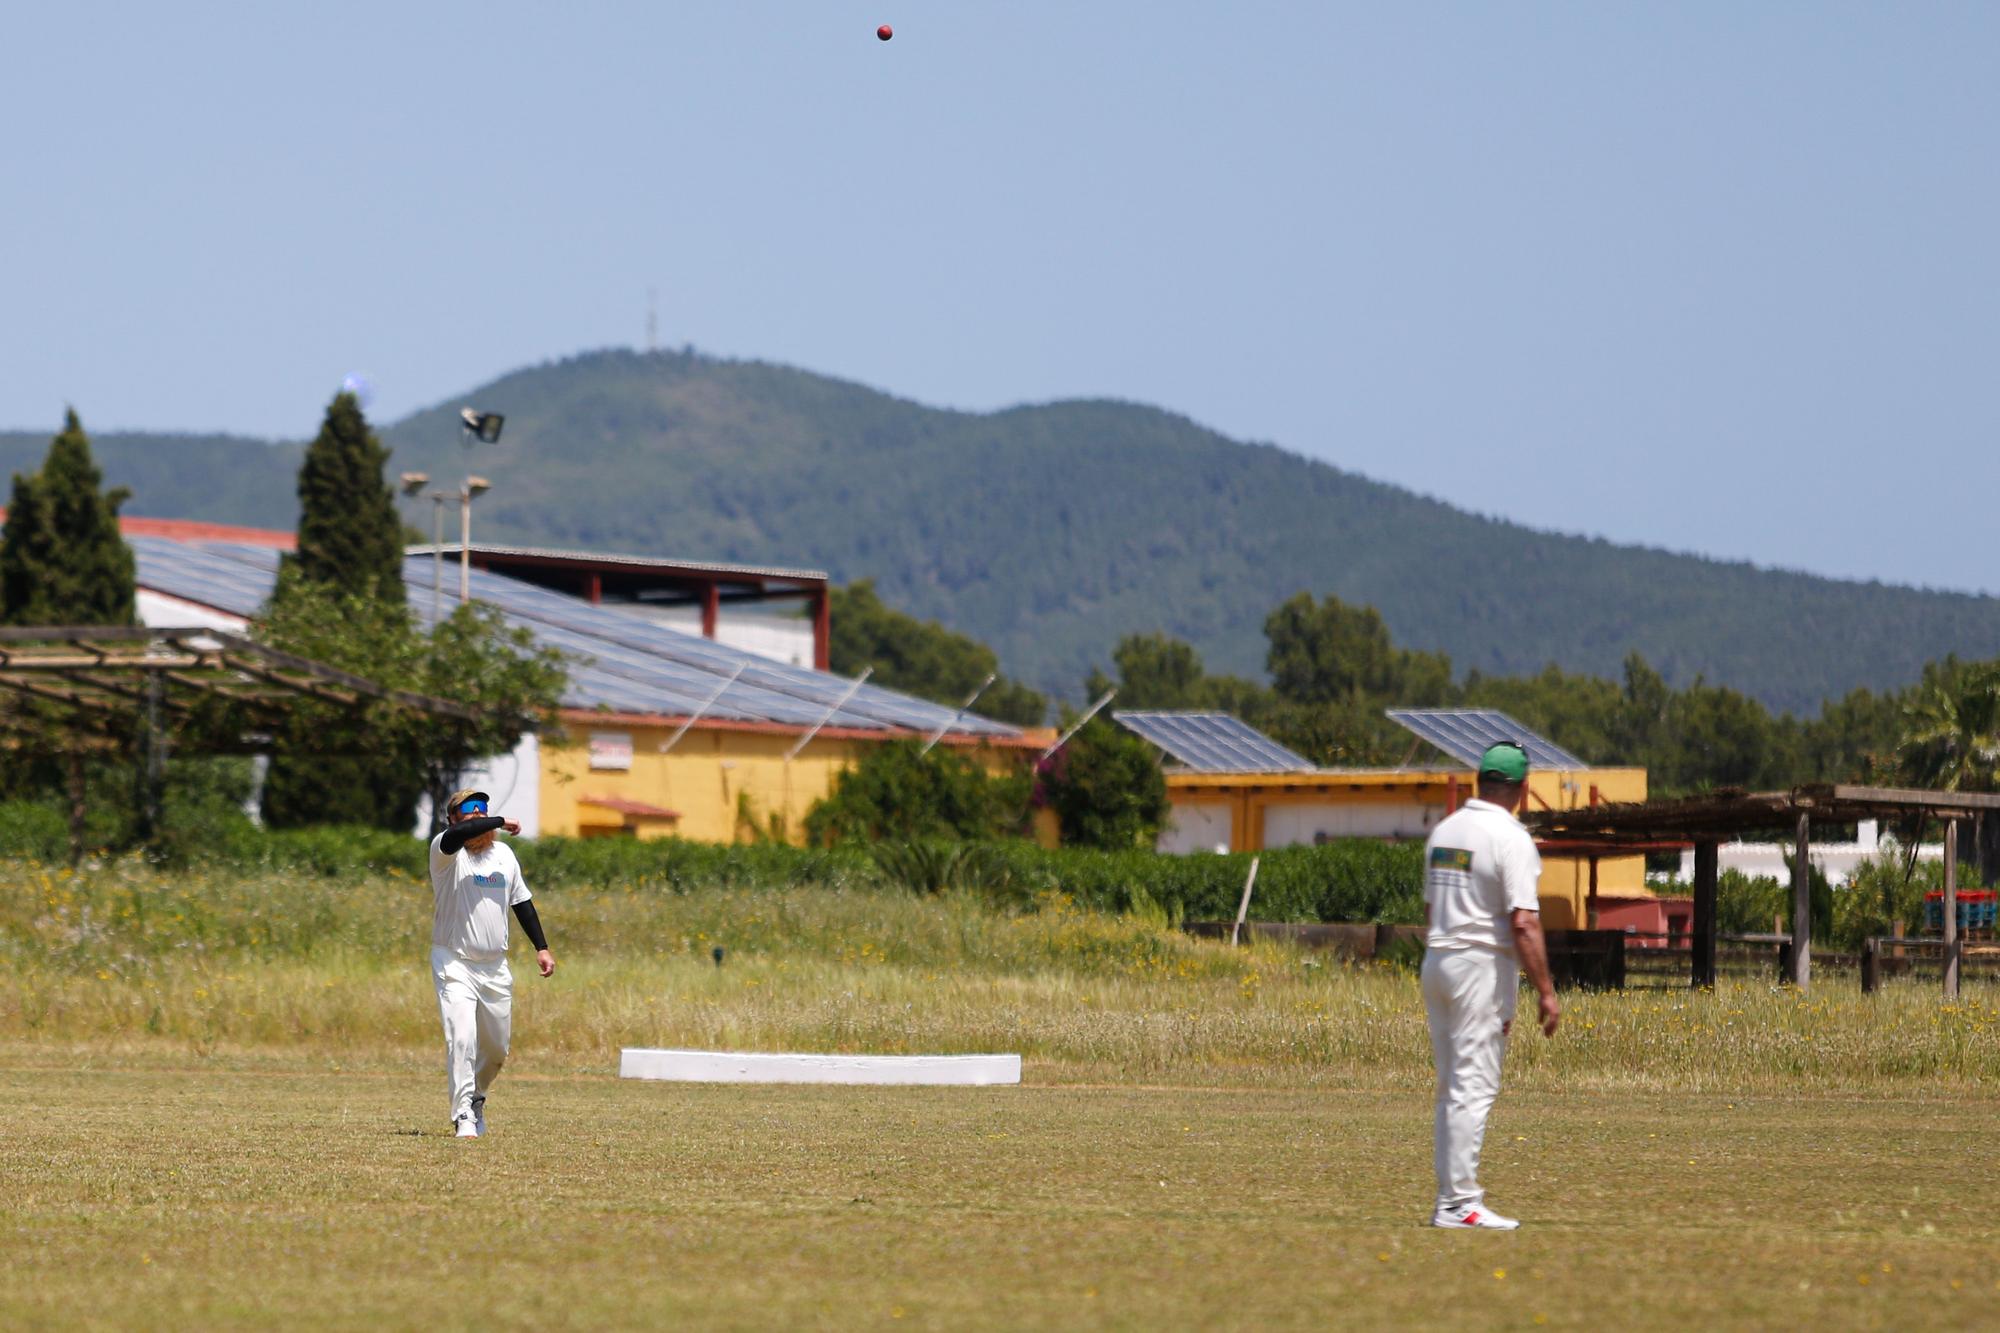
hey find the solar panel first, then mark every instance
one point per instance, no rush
(619, 662)
(1213, 742)
(1465, 733)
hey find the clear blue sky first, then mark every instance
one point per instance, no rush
(1716, 276)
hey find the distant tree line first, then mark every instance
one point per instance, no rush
(1335, 668)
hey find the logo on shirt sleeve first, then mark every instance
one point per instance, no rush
(1451, 858)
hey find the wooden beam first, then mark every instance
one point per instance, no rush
(1910, 796)
(53, 695)
(1707, 859)
(1802, 904)
(81, 662)
(1951, 909)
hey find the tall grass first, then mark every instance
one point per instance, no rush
(129, 959)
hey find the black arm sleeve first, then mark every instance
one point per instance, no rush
(454, 839)
(531, 923)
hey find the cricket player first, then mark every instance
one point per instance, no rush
(1483, 927)
(475, 878)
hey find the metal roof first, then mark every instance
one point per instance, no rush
(1465, 733)
(658, 564)
(621, 663)
(1213, 742)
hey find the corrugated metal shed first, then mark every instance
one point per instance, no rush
(627, 665)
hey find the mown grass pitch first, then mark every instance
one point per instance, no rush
(221, 1104)
(279, 1191)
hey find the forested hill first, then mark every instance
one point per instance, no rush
(1051, 531)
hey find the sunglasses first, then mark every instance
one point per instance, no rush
(472, 808)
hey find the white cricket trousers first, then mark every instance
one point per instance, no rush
(1469, 997)
(476, 1001)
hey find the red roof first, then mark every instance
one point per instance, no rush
(625, 807)
(193, 530)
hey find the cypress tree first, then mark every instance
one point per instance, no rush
(350, 537)
(62, 560)
(350, 542)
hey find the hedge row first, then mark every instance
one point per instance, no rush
(1339, 881)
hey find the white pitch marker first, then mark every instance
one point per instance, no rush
(767, 1067)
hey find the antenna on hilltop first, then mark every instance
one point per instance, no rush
(652, 319)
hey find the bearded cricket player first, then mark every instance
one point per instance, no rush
(475, 878)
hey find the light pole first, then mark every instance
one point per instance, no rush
(413, 486)
(473, 486)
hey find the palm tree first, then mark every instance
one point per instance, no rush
(1951, 740)
(1951, 732)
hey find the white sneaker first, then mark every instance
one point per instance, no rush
(465, 1128)
(1478, 1217)
(479, 1116)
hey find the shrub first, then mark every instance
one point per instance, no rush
(1105, 787)
(898, 792)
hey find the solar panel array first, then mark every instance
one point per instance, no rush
(1213, 742)
(1465, 734)
(620, 662)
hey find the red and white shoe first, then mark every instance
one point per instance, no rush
(1477, 1217)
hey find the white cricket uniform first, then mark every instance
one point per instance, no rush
(472, 893)
(1480, 867)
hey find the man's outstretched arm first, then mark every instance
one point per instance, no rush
(454, 839)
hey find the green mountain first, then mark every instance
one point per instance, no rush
(1051, 531)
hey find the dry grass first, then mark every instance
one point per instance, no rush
(132, 960)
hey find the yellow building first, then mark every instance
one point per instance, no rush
(698, 702)
(720, 782)
(1250, 812)
(1233, 789)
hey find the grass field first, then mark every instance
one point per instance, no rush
(236, 1118)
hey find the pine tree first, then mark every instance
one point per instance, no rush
(62, 561)
(349, 535)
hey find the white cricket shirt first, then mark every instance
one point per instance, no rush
(1480, 866)
(472, 892)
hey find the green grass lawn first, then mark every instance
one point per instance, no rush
(222, 1103)
(281, 1193)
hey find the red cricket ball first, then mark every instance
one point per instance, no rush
(885, 32)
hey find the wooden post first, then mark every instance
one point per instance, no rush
(152, 766)
(1981, 852)
(75, 808)
(1243, 908)
(1707, 859)
(1951, 909)
(1870, 951)
(1590, 911)
(1802, 905)
(822, 631)
(711, 609)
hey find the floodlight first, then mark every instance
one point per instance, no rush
(477, 485)
(414, 482)
(484, 426)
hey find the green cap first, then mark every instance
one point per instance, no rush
(1506, 761)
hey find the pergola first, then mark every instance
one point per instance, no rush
(1709, 820)
(77, 690)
